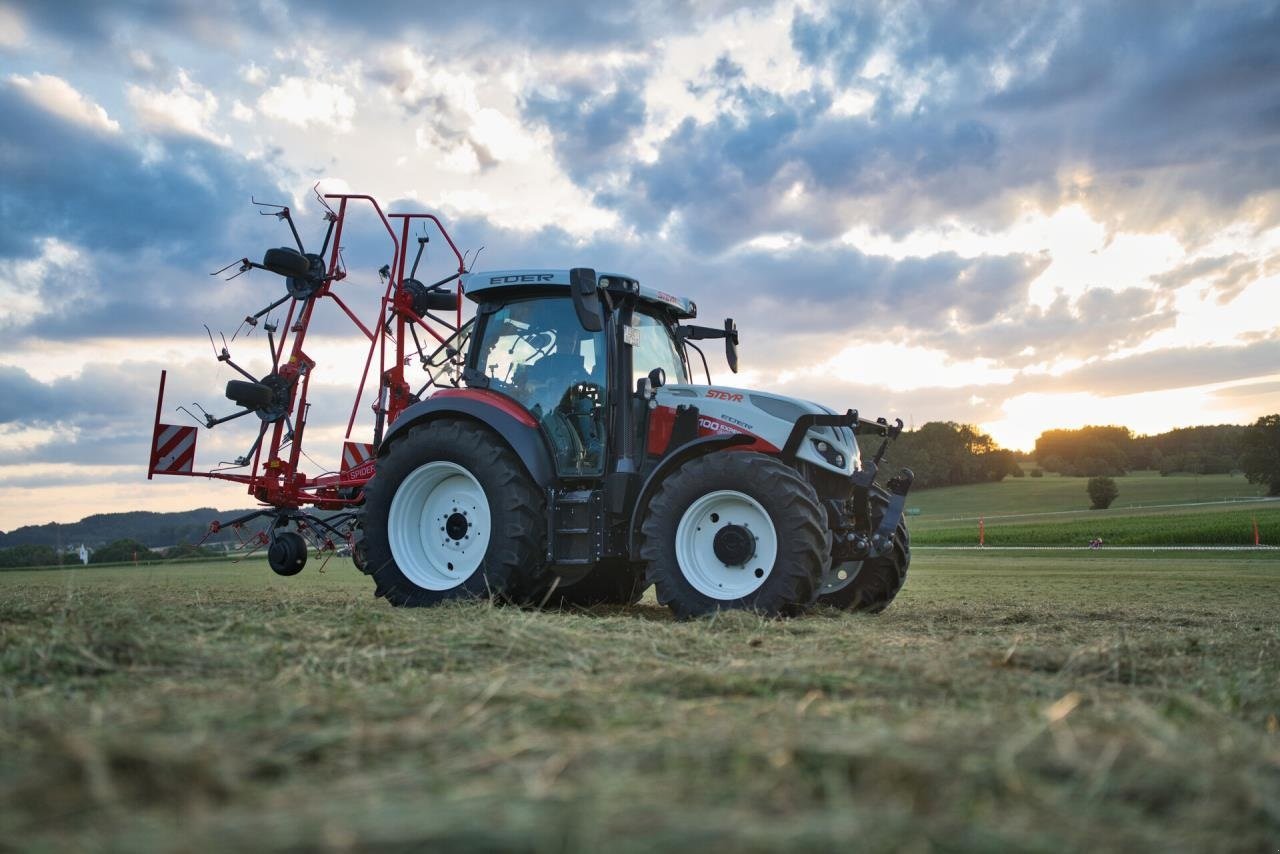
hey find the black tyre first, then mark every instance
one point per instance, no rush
(735, 531)
(287, 554)
(878, 581)
(285, 261)
(249, 395)
(452, 514)
(613, 582)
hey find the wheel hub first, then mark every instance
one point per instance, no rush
(734, 545)
(456, 526)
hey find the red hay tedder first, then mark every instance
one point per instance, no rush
(271, 468)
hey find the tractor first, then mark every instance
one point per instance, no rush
(571, 460)
(559, 452)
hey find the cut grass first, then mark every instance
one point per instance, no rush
(1000, 703)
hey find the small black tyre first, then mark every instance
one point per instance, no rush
(880, 579)
(287, 554)
(249, 395)
(286, 261)
(611, 582)
(451, 513)
(735, 530)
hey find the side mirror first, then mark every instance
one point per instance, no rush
(586, 302)
(731, 343)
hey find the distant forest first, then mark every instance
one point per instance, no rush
(941, 453)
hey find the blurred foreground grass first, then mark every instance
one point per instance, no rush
(1004, 702)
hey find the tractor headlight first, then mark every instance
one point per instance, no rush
(829, 453)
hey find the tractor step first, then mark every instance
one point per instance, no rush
(575, 527)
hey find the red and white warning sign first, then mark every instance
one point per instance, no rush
(173, 449)
(357, 460)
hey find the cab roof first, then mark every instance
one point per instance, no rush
(499, 283)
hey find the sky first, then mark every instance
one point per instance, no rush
(1016, 215)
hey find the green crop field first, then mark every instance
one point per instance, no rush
(1217, 510)
(1080, 701)
(1053, 493)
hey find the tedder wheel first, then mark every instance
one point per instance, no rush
(735, 530)
(877, 581)
(452, 514)
(611, 582)
(287, 554)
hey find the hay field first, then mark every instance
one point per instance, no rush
(1023, 703)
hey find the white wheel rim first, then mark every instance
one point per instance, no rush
(431, 551)
(695, 545)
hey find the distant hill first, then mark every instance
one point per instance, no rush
(153, 529)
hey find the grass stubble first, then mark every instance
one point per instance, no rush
(1015, 703)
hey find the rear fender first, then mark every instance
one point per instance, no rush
(669, 463)
(496, 411)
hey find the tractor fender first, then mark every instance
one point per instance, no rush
(681, 455)
(496, 411)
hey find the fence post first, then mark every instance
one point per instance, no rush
(982, 531)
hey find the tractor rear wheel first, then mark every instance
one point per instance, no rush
(735, 530)
(877, 582)
(452, 514)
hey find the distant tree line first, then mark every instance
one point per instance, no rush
(1111, 451)
(944, 453)
(154, 530)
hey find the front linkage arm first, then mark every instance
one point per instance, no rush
(857, 541)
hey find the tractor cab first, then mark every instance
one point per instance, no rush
(572, 355)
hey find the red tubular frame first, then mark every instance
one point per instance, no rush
(276, 480)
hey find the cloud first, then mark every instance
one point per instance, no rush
(186, 109)
(308, 102)
(593, 130)
(66, 181)
(60, 98)
(1225, 275)
(1180, 367)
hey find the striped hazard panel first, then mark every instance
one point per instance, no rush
(357, 460)
(173, 449)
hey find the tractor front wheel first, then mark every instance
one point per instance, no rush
(735, 530)
(452, 514)
(876, 582)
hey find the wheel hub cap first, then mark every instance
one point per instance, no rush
(734, 545)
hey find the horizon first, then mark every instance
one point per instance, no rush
(1022, 221)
